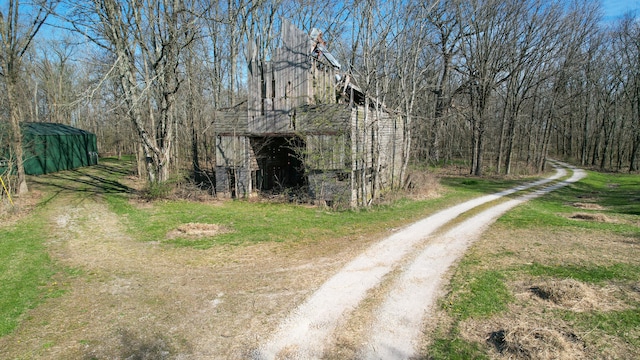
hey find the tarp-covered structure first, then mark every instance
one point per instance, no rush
(52, 147)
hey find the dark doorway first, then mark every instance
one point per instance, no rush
(231, 175)
(279, 163)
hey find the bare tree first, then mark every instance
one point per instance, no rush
(17, 31)
(578, 26)
(485, 49)
(536, 28)
(446, 44)
(627, 50)
(146, 40)
(506, 80)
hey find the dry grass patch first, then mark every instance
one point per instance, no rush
(591, 217)
(175, 302)
(197, 230)
(573, 295)
(588, 206)
(422, 185)
(527, 340)
(566, 292)
(22, 206)
(536, 326)
(522, 335)
(506, 248)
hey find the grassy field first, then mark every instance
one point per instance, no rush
(28, 274)
(247, 222)
(560, 270)
(556, 278)
(25, 270)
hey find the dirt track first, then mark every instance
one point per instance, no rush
(129, 299)
(412, 290)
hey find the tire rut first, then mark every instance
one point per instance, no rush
(419, 257)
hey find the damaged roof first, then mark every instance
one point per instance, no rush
(321, 48)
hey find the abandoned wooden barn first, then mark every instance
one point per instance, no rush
(307, 126)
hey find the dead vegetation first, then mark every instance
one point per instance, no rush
(529, 330)
(197, 230)
(421, 185)
(181, 301)
(142, 300)
(591, 217)
(145, 346)
(532, 327)
(576, 296)
(21, 206)
(588, 206)
(565, 292)
(533, 341)
(526, 334)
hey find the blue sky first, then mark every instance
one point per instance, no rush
(616, 8)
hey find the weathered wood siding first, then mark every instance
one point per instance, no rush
(328, 152)
(234, 121)
(390, 135)
(348, 150)
(323, 82)
(376, 147)
(272, 123)
(330, 186)
(231, 151)
(234, 157)
(292, 66)
(323, 119)
(293, 78)
(361, 127)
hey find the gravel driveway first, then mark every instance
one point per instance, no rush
(417, 257)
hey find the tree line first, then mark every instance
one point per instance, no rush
(496, 85)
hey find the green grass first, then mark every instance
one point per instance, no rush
(477, 293)
(624, 324)
(481, 186)
(25, 269)
(618, 194)
(454, 348)
(589, 274)
(254, 222)
(480, 295)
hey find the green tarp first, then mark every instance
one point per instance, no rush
(50, 147)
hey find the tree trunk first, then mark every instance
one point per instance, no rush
(16, 132)
(434, 149)
(635, 147)
(16, 34)
(479, 151)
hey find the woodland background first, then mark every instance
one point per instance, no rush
(496, 86)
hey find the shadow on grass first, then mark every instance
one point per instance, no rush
(135, 346)
(618, 193)
(89, 181)
(480, 185)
